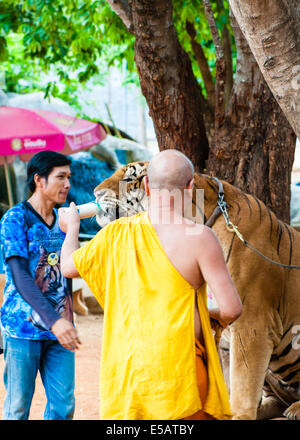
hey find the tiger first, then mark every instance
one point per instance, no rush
(263, 344)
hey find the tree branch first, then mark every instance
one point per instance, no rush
(203, 65)
(123, 10)
(228, 62)
(226, 41)
(245, 60)
(213, 29)
(220, 65)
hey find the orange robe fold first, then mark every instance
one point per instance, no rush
(202, 382)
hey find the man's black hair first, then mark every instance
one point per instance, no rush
(42, 164)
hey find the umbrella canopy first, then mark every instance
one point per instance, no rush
(26, 132)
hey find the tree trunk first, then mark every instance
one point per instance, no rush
(251, 143)
(167, 81)
(253, 148)
(272, 30)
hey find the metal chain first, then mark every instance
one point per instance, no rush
(222, 204)
(232, 228)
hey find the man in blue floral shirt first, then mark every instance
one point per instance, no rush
(37, 311)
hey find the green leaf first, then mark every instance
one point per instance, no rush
(77, 40)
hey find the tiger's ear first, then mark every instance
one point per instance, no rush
(146, 185)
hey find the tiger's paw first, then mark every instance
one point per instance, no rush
(293, 411)
(79, 306)
(269, 408)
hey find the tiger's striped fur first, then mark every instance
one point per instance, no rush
(264, 351)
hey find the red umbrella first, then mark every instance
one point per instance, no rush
(25, 132)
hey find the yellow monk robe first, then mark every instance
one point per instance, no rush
(148, 368)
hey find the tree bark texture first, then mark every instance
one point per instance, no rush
(273, 34)
(294, 6)
(254, 146)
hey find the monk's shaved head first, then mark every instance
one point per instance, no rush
(170, 169)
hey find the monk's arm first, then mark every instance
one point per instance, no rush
(215, 314)
(214, 271)
(69, 223)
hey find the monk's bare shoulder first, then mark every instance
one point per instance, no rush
(201, 237)
(199, 230)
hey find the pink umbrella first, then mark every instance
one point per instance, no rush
(25, 132)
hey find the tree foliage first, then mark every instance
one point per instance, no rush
(80, 39)
(71, 32)
(74, 40)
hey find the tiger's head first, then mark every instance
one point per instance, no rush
(123, 194)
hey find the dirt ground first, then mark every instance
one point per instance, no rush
(87, 361)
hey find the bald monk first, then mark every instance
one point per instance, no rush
(149, 274)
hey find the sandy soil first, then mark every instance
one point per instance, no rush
(86, 370)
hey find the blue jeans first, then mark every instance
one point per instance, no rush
(23, 359)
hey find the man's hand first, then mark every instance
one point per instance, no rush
(68, 218)
(66, 334)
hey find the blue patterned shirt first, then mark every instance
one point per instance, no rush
(25, 234)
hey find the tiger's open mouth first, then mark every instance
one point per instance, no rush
(114, 206)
